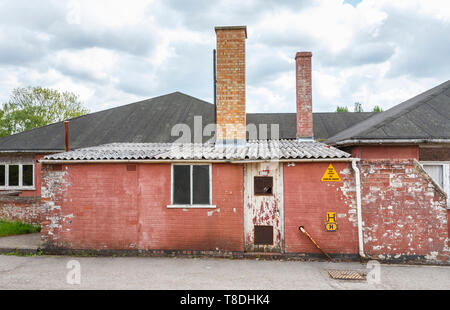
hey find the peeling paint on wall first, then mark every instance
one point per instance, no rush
(263, 210)
(403, 213)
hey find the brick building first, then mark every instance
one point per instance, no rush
(375, 186)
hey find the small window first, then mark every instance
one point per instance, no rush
(181, 185)
(13, 175)
(436, 172)
(2, 175)
(200, 182)
(27, 175)
(191, 185)
(16, 176)
(263, 185)
(440, 173)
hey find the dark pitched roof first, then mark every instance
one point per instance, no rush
(151, 121)
(424, 117)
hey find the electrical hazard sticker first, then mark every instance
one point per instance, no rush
(330, 175)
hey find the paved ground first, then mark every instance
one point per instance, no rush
(50, 272)
(25, 241)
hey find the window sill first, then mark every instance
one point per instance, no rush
(17, 188)
(191, 206)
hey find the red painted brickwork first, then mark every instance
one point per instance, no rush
(306, 202)
(304, 95)
(106, 206)
(231, 117)
(403, 213)
(22, 209)
(385, 152)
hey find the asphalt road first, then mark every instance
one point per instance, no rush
(51, 272)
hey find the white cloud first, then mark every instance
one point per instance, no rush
(379, 52)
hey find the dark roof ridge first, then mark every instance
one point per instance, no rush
(109, 109)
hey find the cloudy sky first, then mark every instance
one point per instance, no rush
(377, 52)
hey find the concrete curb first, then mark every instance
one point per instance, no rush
(305, 257)
(20, 251)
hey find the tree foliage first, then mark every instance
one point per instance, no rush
(377, 109)
(33, 107)
(341, 109)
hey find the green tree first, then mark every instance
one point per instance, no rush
(341, 109)
(33, 107)
(358, 107)
(377, 109)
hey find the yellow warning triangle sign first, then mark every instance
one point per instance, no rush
(331, 175)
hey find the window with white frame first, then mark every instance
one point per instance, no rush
(16, 176)
(191, 185)
(440, 173)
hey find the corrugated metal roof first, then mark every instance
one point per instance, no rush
(252, 150)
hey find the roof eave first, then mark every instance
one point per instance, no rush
(351, 142)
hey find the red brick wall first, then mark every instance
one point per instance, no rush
(22, 209)
(403, 213)
(304, 95)
(231, 117)
(385, 152)
(306, 202)
(104, 206)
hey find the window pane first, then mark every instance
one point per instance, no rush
(13, 175)
(27, 175)
(436, 172)
(181, 184)
(201, 184)
(2, 175)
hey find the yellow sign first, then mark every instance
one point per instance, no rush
(331, 217)
(330, 175)
(331, 226)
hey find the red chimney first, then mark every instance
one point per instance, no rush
(304, 95)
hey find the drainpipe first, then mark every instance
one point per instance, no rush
(358, 207)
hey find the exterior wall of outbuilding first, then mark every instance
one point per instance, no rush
(107, 207)
(306, 202)
(404, 213)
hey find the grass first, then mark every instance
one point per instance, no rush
(17, 228)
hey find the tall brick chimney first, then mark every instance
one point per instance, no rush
(230, 85)
(304, 95)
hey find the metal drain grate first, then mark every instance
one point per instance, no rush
(347, 275)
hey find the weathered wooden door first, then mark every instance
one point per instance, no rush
(263, 212)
